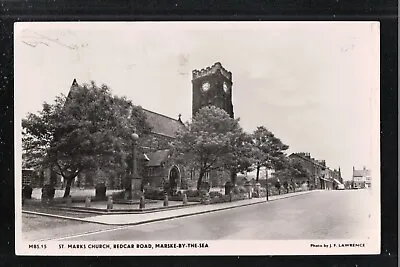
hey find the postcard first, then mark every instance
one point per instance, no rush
(197, 138)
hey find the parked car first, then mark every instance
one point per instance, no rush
(341, 187)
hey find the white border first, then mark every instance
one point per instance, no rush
(230, 247)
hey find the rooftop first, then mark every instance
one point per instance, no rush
(163, 125)
(157, 157)
(211, 70)
(361, 173)
(306, 156)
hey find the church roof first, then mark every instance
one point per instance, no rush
(157, 157)
(162, 124)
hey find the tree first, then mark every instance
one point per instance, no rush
(292, 172)
(208, 143)
(298, 171)
(241, 159)
(284, 174)
(269, 150)
(286, 186)
(87, 130)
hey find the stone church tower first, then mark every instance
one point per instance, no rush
(212, 86)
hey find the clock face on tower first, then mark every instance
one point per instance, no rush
(226, 89)
(205, 86)
(212, 86)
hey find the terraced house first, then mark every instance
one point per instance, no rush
(320, 176)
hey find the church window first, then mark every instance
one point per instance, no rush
(207, 176)
(151, 171)
(225, 86)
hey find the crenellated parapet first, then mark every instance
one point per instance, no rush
(212, 70)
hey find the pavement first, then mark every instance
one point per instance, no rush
(118, 208)
(308, 216)
(136, 219)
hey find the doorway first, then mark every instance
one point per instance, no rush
(174, 176)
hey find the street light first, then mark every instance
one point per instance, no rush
(135, 137)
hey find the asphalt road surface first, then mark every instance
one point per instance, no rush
(318, 215)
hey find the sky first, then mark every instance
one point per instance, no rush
(314, 85)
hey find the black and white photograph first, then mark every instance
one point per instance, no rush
(197, 138)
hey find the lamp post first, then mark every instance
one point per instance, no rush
(135, 137)
(135, 177)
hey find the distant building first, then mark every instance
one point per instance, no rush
(319, 174)
(361, 178)
(337, 177)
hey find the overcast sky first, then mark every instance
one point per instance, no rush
(315, 85)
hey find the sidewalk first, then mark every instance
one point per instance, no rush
(135, 219)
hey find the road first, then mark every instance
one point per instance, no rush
(318, 215)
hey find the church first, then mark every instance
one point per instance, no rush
(210, 86)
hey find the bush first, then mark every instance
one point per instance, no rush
(167, 187)
(205, 186)
(154, 193)
(259, 194)
(215, 194)
(180, 192)
(239, 190)
(220, 199)
(119, 195)
(239, 197)
(192, 193)
(236, 191)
